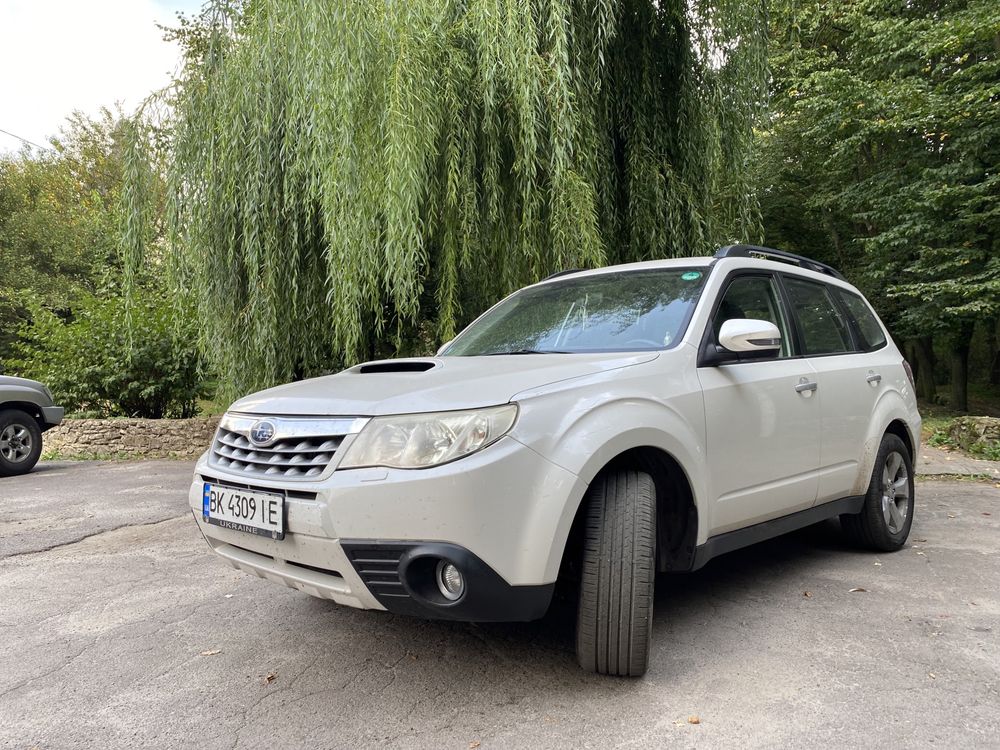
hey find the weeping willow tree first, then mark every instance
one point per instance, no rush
(348, 178)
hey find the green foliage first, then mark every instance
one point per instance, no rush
(58, 219)
(348, 179)
(883, 152)
(103, 366)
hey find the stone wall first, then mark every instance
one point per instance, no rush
(978, 435)
(132, 438)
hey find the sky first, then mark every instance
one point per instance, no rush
(57, 56)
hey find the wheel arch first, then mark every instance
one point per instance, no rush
(676, 509)
(898, 428)
(32, 410)
(892, 415)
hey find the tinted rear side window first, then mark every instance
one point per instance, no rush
(872, 336)
(821, 326)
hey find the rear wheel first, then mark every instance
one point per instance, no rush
(20, 442)
(614, 618)
(887, 515)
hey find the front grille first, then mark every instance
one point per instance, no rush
(301, 457)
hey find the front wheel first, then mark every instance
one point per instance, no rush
(20, 442)
(887, 515)
(614, 618)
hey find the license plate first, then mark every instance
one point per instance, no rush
(252, 511)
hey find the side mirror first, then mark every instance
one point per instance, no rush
(443, 346)
(748, 335)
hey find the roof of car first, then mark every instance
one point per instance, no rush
(744, 255)
(645, 265)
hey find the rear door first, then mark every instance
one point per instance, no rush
(762, 417)
(847, 378)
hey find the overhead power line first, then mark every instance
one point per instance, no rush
(25, 140)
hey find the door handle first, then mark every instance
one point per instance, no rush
(804, 386)
(873, 377)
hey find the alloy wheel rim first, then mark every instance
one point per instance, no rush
(895, 492)
(15, 443)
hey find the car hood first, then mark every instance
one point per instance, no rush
(409, 386)
(10, 380)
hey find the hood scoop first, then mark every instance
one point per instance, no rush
(397, 366)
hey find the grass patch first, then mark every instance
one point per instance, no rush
(55, 455)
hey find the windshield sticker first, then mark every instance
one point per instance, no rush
(691, 276)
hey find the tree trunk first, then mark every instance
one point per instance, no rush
(995, 359)
(924, 365)
(960, 367)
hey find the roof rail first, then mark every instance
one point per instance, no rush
(568, 271)
(769, 253)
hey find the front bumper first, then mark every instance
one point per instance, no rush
(402, 576)
(503, 514)
(52, 415)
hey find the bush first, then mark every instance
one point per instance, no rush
(99, 364)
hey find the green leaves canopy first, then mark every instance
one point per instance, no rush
(886, 130)
(344, 175)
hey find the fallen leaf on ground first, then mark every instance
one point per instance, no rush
(920, 540)
(212, 652)
(922, 553)
(473, 745)
(987, 514)
(694, 720)
(932, 675)
(878, 564)
(229, 596)
(950, 515)
(856, 589)
(269, 678)
(807, 594)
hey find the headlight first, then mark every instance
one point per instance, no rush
(417, 441)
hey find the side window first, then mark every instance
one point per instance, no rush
(756, 298)
(823, 329)
(872, 335)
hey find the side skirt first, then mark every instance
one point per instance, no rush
(733, 540)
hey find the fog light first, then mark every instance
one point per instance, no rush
(449, 580)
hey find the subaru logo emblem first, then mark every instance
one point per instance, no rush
(262, 433)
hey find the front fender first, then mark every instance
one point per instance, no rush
(591, 430)
(24, 395)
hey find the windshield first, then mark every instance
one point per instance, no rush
(612, 312)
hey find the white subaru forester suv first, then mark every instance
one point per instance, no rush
(595, 428)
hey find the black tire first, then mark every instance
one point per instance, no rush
(885, 520)
(20, 442)
(618, 570)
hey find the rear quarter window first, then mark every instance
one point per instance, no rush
(866, 324)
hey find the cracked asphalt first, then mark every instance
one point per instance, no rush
(119, 628)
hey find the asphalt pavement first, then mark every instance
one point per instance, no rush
(118, 628)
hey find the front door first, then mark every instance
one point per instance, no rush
(762, 419)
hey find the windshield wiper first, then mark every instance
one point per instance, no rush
(526, 351)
